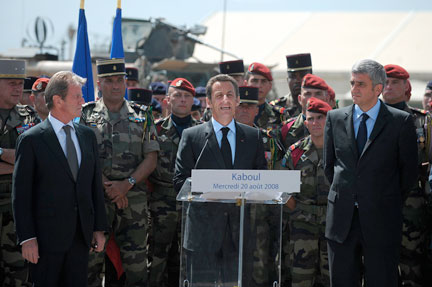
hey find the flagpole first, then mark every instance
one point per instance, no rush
(82, 5)
(119, 4)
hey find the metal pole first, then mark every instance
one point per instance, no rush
(223, 30)
(240, 265)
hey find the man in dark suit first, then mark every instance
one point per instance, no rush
(57, 190)
(370, 156)
(212, 229)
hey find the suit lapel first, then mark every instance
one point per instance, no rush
(349, 127)
(240, 146)
(52, 142)
(213, 144)
(379, 125)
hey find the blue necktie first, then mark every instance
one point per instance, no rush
(362, 134)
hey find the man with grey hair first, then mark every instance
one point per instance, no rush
(57, 196)
(370, 159)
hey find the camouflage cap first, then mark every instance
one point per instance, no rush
(12, 69)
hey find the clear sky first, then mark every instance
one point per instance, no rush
(17, 17)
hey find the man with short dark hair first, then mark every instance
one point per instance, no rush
(128, 153)
(298, 65)
(294, 129)
(57, 193)
(220, 143)
(164, 209)
(308, 208)
(370, 159)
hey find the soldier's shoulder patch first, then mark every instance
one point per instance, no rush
(22, 128)
(419, 111)
(296, 153)
(137, 119)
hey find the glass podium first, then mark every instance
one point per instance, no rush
(231, 238)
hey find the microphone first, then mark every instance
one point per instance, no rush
(201, 152)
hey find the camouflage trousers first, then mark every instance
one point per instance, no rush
(164, 237)
(266, 219)
(13, 269)
(286, 249)
(414, 245)
(309, 247)
(129, 226)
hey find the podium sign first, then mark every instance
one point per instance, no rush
(232, 227)
(210, 180)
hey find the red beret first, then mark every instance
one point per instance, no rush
(331, 93)
(314, 82)
(260, 69)
(183, 84)
(40, 85)
(395, 71)
(318, 106)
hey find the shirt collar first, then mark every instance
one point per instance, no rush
(58, 125)
(217, 126)
(372, 113)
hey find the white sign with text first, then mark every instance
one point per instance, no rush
(238, 181)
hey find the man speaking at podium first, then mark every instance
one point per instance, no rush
(211, 230)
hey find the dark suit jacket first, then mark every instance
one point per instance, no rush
(46, 199)
(205, 226)
(378, 179)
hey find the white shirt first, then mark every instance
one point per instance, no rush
(61, 135)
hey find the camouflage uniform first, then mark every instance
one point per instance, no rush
(164, 209)
(307, 221)
(267, 117)
(286, 107)
(13, 271)
(267, 219)
(295, 130)
(123, 144)
(414, 239)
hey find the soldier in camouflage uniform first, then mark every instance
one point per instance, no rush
(308, 208)
(259, 76)
(294, 129)
(265, 216)
(414, 240)
(165, 210)
(128, 149)
(14, 120)
(298, 66)
(289, 133)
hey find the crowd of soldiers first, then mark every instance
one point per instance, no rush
(138, 140)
